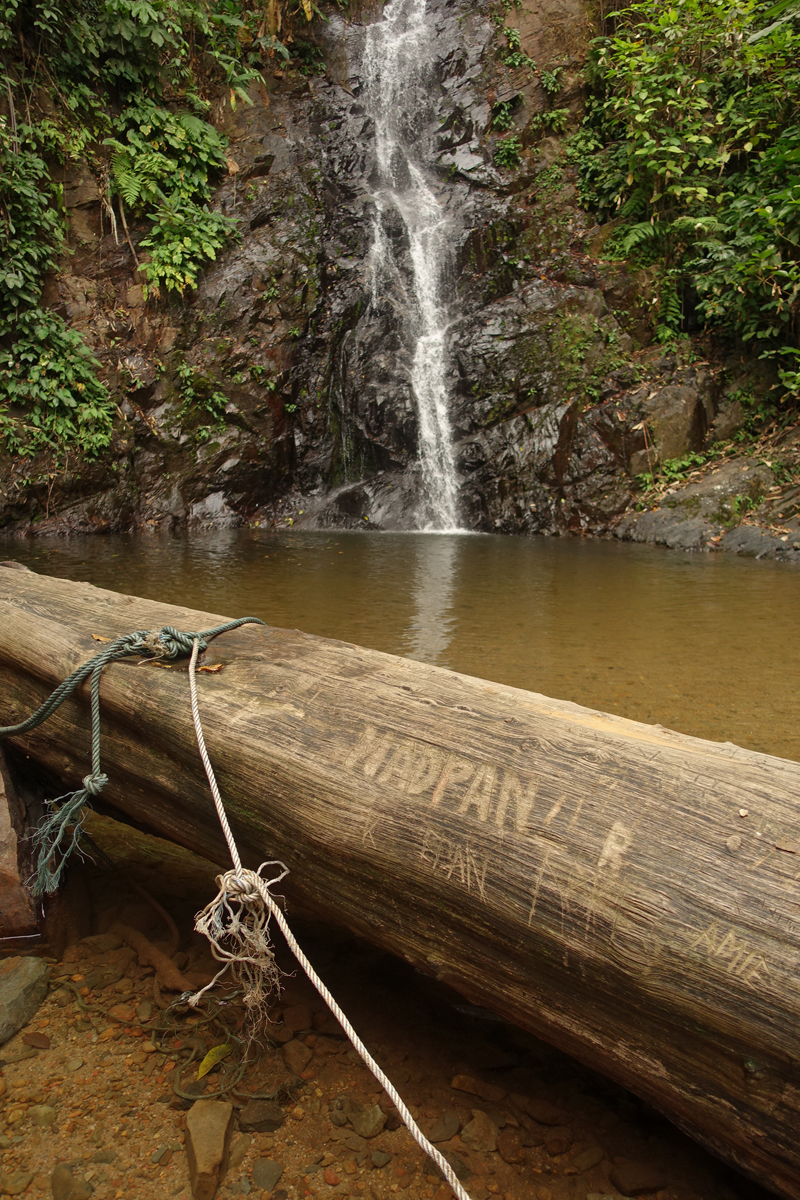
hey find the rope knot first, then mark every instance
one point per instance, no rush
(94, 784)
(241, 886)
(174, 642)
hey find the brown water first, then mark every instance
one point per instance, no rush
(706, 644)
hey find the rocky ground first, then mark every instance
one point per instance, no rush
(100, 1096)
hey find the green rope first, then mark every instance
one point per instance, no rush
(54, 842)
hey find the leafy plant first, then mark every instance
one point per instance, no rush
(508, 152)
(551, 81)
(502, 115)
(515, 57)
(692, 142)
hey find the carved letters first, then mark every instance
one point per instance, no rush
(491, 795)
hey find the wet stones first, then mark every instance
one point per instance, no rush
(65, 1186)
(23, 987)
(208, 1132)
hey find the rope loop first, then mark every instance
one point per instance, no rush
(52, 841)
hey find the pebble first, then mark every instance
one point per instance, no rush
(266, 1173)
(367, 1119)
(65, 1186)
(445, 1126)
(261, 1116)
(330, 1177)
(558, 1142)
(40, 1041)
(42, 1115)
(481, 1133)
(297, 1056)
(144, 1011)
(379, 1158)
(14, 1183)
(510, 1147)
(636, 1179)
(74, 1063)
(589, 1158)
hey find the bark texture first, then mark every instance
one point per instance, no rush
(628, 893)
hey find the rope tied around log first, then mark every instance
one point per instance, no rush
(52, 839)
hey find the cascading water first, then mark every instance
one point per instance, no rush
(398, 69)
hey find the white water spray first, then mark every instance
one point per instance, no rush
(397, 63)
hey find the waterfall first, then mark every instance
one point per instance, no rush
(398, 68)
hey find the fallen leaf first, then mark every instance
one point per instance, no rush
(96, 637)
(215, 1055)
(232, 165)
(213, 668)
(788, 847)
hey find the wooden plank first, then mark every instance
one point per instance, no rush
(588, 877)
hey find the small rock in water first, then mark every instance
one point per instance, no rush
(65, 1186)
(42, 1115)
(297, 1056)
(266, 1173)
(73, 1064)
(14, 1183)
(636, 1179)
(261, 1116)
(445, 1126)
(379, 1158)
(144, 1011)
(208, 1131)
(23, 987)
(40, 1041)
(162, 1155)
(481, 1133)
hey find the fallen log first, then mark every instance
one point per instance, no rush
(628, 893)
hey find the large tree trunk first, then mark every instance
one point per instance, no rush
(628, 893)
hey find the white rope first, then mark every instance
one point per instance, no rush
(245, 884)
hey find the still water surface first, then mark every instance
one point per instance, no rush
(706, 644)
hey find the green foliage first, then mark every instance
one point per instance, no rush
(203, 406)
(508, 152)
(123, 85)
(502, 115)
(692, 142)
(515, 57)
(551, 82)
(162, 166)
(48, 383)
(552, 120)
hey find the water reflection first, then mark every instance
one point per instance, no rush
(709, 645)
(431, 628)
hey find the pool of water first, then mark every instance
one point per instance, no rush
(706, 644)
